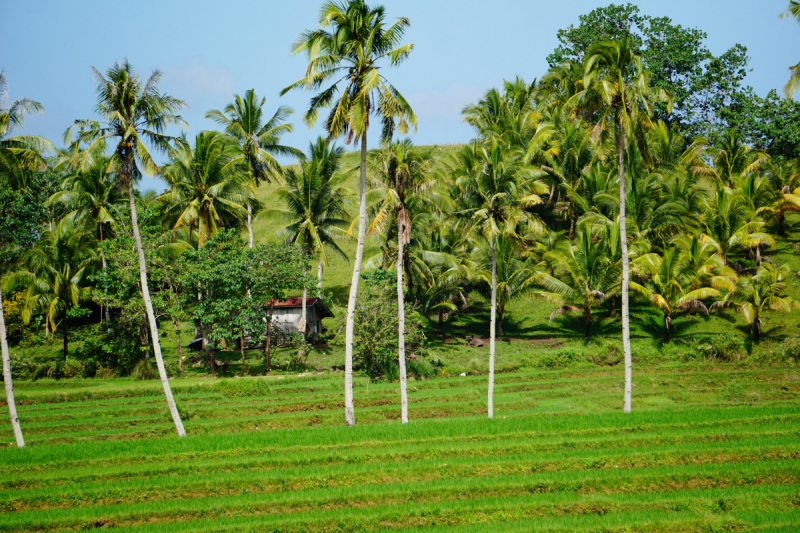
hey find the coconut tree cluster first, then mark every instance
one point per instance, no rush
(580, 191)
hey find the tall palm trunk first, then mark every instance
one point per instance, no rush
(12, 406)
(106, 310)
(319, 276)
(151, 317)
(349, 408)
(178, 343)
(267, 341)
(249, 226)
(626, 331)
(492, 326)
(401, 319)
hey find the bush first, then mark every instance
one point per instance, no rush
(610, 354)
(723, 347)
(143, 371)
(71, 368)
(789, 349)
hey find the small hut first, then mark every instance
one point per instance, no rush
(288, 313)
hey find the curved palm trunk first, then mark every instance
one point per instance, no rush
(401, 322)
(667, 321)
(349, 408)
(151, 317)
(626, 331)
(12, 406)
(492, 326)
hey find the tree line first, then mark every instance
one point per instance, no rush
(627, 166)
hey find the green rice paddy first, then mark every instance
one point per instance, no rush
(707, 448)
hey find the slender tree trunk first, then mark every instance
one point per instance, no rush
(241, 346)
(319, 276)
(758, 254)
(66, 341)
(667, 320)
(349, 407)
(178, 343)
(587, 321)
(151, 317)
(401, 320)
(249, 226)
(492, 326)
(12, 406)
(499, 324)
(301, 353)
(626, 332)
(46, 327)
(106, 309)
(441, 323)
(267, 354)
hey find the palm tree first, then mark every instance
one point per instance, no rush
(794, 78)
(27, 150)
(785, 181)
(257, 141)
(92, 198)
(583, 275)
(53, 275)
(732, 224)
(405, 181)
(208, 187)
(134, 114)
(616, 74)
(734, 160)
(315, 208)
(670, 285)
(15, 152)
(753, 296)
(495, 187)
(349, 46)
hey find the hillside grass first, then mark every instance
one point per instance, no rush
(707, 448)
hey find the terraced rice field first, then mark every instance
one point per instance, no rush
(707, 449)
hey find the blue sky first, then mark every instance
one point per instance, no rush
(209, 50)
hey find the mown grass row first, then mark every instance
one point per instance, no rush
(712, 449)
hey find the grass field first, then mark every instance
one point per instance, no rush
(708, 448)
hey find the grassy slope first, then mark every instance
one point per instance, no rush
(706, 449)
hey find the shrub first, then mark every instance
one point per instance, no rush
(723, 347)
(143, 371)
(71, 368)
(789, 349)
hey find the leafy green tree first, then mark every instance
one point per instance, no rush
(624, 86)
(54, 274)
(704, 85)
(207, 188)
(767, 124)
(349, 47)
(756, 295)
(257, 142)
(226, 272)
(495, 188)
(134, 114)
